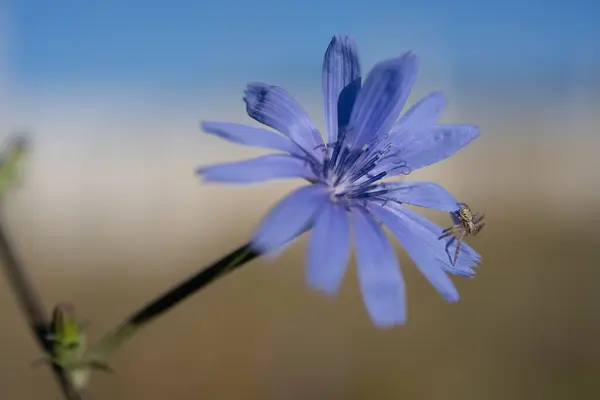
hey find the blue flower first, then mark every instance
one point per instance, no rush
(366, 142)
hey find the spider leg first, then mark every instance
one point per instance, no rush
(448, 244)
(480, 227)
(445, 235)
(448, 232)
(460, 239)
(478, 218)
(448, 229)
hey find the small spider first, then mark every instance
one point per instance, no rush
(467, 223)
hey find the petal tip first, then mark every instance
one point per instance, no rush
(407, 62)
(411, 58)
(389, 323)
(470, 130)
(452, 297)
(206, 126)
(440, 101)
(203, 175)
(327, 290)
(342, 41)
(255, 92)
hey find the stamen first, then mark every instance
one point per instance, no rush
(339, 144)
(403, 166)
(340, 158)
(369, 195)
(367, 167)
(325, 170)
(350, 160)
(365, 184)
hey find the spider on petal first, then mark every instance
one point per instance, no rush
(466, 223)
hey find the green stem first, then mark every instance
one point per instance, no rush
(32, 306)
(171, 298)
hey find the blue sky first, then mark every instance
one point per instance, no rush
(194, 44)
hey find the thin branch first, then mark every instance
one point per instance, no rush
(32, 306)
(166, 301)
(172, 297)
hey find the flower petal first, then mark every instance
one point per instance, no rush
(251, 136)
(420, 244)
(341, 83)
(274, 107)
(421, 115)
(382, 97)
(420, 148)
(379, 274)
(329, 249)
(290, 217)
(422, 194)
(259, 169)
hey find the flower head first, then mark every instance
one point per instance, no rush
(366, 142)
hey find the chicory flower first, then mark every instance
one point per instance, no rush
(365, 143)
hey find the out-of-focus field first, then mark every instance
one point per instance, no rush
(526, 327)
(109, 236)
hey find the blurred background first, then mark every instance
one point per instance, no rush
(110, 213)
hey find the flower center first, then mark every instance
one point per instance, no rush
(354, 174)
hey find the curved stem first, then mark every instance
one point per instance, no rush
(171, 298)
(32, 306)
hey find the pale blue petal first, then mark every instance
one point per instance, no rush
(274, 107)
(382, 97)
(379, 274)
(251, 136)
(422, 194)
(341, 83)
(420, 148)
(329, 249)
(422, 115)
(290, 217)
(259, 169)
(421, 245)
